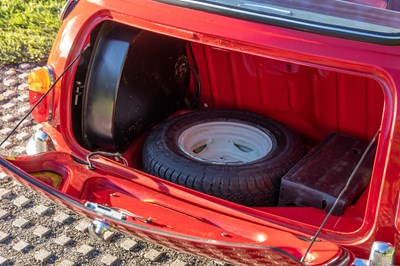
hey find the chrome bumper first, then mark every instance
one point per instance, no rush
(39, 142)
(382, 254)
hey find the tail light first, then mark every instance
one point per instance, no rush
(39, 81)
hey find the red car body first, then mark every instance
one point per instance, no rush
(359, 98)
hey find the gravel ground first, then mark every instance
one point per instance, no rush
(34, 230)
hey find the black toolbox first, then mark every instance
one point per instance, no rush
(318, 178)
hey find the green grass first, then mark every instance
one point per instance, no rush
(27, 29)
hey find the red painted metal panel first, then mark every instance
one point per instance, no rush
(313, 102)
(221, 81)
(177, 217)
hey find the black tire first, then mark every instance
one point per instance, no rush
(254, 183)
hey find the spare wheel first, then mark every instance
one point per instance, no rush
(233, 155)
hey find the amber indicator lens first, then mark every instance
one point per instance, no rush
(40, 80)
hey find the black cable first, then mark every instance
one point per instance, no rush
(116, 155)
(197, 93)
(43, 96)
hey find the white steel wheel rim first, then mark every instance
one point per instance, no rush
(225, 143)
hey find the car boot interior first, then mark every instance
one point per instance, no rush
(129, 87)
